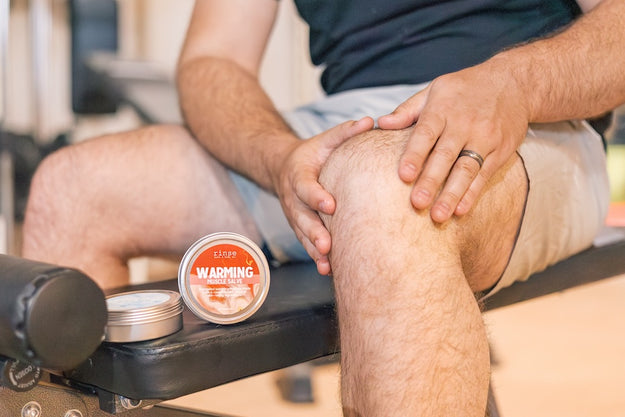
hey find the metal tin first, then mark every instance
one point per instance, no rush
(143, 315)
(224, 278)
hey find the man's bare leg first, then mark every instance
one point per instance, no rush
(412, 338)
(153, 191)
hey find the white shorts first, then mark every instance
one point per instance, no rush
(567, 201)
(565, 163)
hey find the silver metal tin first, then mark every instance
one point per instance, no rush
(224, 278)
(143, 315)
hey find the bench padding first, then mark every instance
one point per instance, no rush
(297, 323)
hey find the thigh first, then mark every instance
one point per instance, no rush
(150, 191)
(488, 233)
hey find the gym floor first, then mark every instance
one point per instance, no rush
(559, 355)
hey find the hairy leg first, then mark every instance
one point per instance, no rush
(153, 191)
(412, 338)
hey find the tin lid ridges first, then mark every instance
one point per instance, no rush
(149, 306)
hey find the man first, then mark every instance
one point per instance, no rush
(455, 195)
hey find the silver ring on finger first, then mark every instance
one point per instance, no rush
(473, 155)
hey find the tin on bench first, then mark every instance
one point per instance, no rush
(143, 315)
(224, 278)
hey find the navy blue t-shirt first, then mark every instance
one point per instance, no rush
(364, 43)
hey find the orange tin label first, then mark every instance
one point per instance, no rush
(224, 278)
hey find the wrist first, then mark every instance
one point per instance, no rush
(276, 157)
(514, 73)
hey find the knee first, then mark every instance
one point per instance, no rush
(53, 179)
(49, 202)
(86, 175)
(371, 200)
(363, 172)
(372, 155)
(69, 183)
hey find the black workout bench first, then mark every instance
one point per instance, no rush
(52, 320)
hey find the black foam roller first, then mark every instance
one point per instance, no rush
(50, 316)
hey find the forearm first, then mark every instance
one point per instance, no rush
(577, 73)
(230, 114)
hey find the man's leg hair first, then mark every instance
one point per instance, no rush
(413, 340)
(148, 192)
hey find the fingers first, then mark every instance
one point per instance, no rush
(406, 114)
(314, 196)
(466, 174)
(443, 182)
(335, 136)
(428, 128)
(302, 196)
(422, 140)
(442, 177)
(307, 224)
(476, 187)
(315, 238)
(322, 261)
(307, 188)
(311, 192)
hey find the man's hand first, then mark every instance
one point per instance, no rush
(480, 109)
(301, 195)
